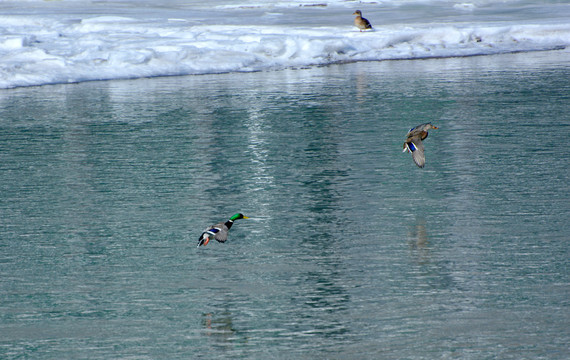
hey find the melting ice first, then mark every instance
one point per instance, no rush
(47, 42)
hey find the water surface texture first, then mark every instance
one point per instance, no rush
(351, 251)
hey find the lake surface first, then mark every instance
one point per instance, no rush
(350, 252)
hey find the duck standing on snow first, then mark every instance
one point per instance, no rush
(414, 145)
(361, 22)
(219, 231)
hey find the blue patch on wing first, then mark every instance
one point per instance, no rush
(214, 230)
(412, 146)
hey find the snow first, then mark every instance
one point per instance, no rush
(66, 41)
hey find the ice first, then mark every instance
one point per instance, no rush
(48, 42)
(465, 6)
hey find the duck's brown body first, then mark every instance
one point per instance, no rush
(360, 22)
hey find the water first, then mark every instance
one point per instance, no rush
(351, 250)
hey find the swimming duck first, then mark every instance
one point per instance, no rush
(361, 22)
(414, 145)
(219, 231)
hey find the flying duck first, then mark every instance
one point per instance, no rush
(219, 231)
(414, 145)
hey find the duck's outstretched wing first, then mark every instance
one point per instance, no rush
(417, 148)
(221, 235)
(217, 231)
(220, 232)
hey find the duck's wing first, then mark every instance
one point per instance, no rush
(221, 236)
(417, 148)
(366, 23)
(414, 132)
(418, 129)
(219, 231)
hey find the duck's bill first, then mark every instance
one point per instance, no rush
(246, 217)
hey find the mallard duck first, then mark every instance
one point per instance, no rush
(414, 145)
(361, 22)
(219, 231)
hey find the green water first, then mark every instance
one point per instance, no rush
(351, 251)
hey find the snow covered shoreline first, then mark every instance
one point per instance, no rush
(74, 40)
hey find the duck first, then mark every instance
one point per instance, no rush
(219, 231)
(414, 145)
(361, 22)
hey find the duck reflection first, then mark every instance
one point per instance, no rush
(418, 241)
(219, 326)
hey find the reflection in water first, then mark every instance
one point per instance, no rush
(218, 325)
(321, 297)
(431, 271)
(323, 171)
(126, 180)
(418, 241)
(361, 86)
(259, 177)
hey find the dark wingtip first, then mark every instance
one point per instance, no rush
(201, 240)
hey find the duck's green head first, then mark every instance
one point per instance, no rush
(238, 216)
